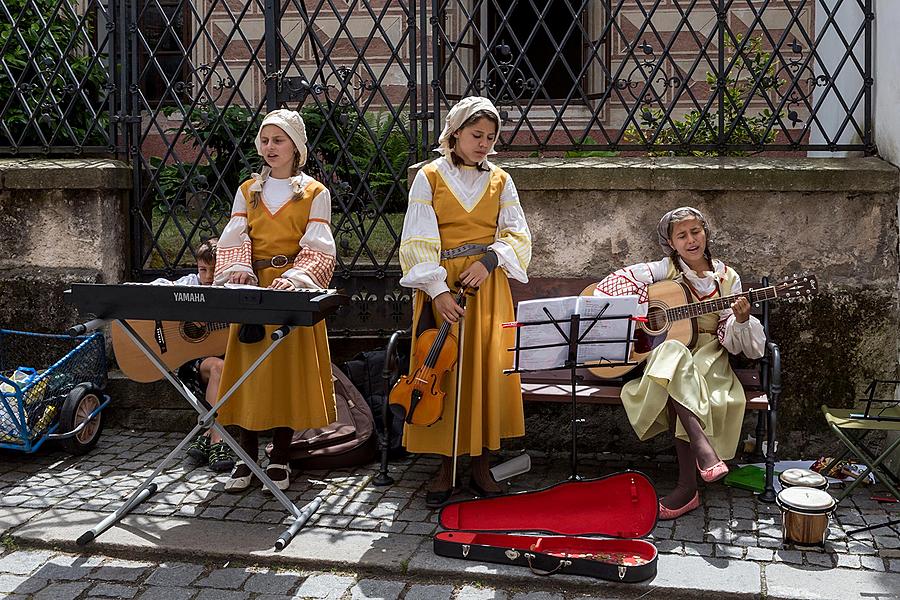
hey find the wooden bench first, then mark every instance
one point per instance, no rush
(761, 380)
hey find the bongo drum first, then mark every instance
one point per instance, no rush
(802, 478)
(805, 511)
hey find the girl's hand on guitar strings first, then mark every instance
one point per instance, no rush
(447, 307)
(741, 309)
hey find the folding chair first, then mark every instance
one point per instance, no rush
(853, 427)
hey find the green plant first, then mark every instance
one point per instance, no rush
(346, 150)
(225, 136)
(388, 179)
(579, 152)
(753, 75)
(8, 543)
(50, 70)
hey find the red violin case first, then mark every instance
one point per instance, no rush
(623, 506)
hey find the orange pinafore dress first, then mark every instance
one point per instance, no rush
(293, 386)
(491, 405)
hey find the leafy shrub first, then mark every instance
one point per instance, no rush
(343, 154)
(57, 76)
(753, 77)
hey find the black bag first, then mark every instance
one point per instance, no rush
(348, 442)
(366, 370)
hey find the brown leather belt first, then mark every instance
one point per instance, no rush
(277, 261)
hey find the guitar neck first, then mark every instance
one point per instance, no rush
(696, 309)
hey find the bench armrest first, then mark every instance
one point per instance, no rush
(772, 368)
(392, 367)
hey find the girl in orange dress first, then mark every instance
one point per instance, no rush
(464, 221)
(279, 237)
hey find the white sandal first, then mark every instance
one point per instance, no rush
(281, 484)
(238, 484)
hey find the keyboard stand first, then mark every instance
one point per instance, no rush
(205, 421)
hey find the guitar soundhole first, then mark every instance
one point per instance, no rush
(194, 332)
(656, 320)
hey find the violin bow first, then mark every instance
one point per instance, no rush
(459, 367)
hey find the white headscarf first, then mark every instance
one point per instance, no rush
(458, 115)
(292, 124)
(683, 212)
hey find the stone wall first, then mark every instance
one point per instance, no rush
(835, 218)
(887, 124)
(66, 221)
(61, 221)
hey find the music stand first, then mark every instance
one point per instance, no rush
(572, 336)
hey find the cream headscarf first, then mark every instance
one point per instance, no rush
(292, 124)
(459, 114)
(662, 230)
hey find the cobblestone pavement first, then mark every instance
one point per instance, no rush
(384, 529)
(51, 575)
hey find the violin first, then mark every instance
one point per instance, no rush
(420, 393)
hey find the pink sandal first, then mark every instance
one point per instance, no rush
(667, 514)
(714, 473)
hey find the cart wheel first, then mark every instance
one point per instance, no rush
(81, 401)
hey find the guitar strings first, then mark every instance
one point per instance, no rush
(169, 331)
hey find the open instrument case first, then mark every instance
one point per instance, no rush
(621, 508)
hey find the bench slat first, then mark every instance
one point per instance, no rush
(749, 378)
(604, 394)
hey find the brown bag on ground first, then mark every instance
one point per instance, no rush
(348, 442)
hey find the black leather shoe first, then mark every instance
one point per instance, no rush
(437, 499)
(481, 492)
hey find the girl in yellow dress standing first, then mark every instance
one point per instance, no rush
(279, 237)
(464, 220)
(692, 391)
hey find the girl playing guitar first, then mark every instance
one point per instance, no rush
(690, 391)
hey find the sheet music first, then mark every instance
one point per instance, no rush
(539, 335)
(605, 329)
(557, 350)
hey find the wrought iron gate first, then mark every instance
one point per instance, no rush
(179, 86)
(328, 60)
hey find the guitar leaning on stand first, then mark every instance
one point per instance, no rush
(671, 315)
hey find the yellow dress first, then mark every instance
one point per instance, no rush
(293, 386)
(700, 378)
(491, 407)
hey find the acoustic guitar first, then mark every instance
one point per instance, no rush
(671, 314)
(173, 342)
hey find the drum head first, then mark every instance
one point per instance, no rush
(802, 477)
(806, 500)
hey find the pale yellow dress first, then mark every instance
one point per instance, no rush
(699, 378)
(488, 213)
(293, 386)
